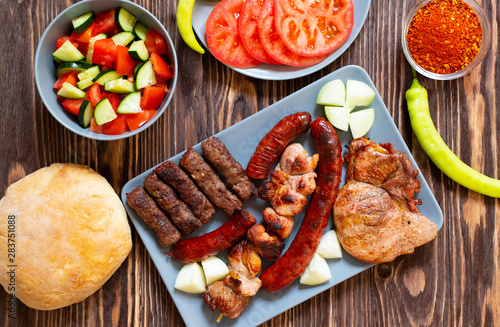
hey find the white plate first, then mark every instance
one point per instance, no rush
(241, 140)
(203, 8)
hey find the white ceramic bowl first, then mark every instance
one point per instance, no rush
(45, 76)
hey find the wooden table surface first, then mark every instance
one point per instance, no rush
(452, 281)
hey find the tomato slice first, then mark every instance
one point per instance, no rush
(249, 32)
(85, 35)
(313, 28)
(124, 65)
(273, 44)
(94, 94)
(63, 39)
(152, 97)
(105, 23)
(70, 77)
(223, 38)
(115, 100)
(94, 128)
(115, 127)
(134, 121)
(155, 43)
(104, 52)
(72, 105)
(160, 67)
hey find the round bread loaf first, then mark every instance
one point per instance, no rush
(71, 234)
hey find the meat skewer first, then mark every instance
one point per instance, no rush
(208, 181)
(180, 214)
(148, 210)
(173, 175)
(218, 155)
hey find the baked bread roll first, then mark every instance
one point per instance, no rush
(71, 234)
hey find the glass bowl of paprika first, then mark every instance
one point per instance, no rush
(446, 39)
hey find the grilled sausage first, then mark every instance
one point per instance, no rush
(201, 247)
(274, 143)
(218, 155)
(148, 210)
(180, 214)
(208, 181)
(293, 263)
(173, 175)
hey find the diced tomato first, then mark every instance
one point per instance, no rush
(155, 43)
(130, 78)
(115, 127)
(71, 78)
(105, 23)
(63, 39)
(124, 65)
(134, 121)
(83, 47)
(115, 100)
(94, 94)
(160, 66)
(94, 128)
(85, 35)
(104, 52)
(152, 97)
(163, 85)
(72, 105)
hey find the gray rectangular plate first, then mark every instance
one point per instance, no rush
(241, 140)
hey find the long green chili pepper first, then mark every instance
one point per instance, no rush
(184, 15)
(436, 148)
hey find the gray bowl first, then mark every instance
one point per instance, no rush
(45, 71)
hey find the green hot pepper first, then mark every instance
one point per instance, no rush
(436, 148)
(184, 16)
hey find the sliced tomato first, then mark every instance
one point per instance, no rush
(273, 44)
(160, 66)
(312, 28)
(134, 121)
(104, 52)
(115, 127)
(105, 23)
(155, 43)
(72, 105)
(94, 94)
(63, 39)
(94, 128)
(223, 38)
(71, 78)
(152, 97)
(249, 32)
(115, 100)
(124, 65)
(85, 35)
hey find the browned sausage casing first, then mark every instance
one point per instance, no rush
(293, 263)
(201, 247)
(275, 141)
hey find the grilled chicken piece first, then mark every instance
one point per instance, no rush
(280, 225)
(288, 193)
(244, 257)
(296, 161)
(373, 228)
(268, 244)
(220, 297)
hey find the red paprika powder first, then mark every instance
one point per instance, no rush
(444, 36)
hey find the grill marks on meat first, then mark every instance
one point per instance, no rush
(148, 210)
(280, 225)
(208, 181)
(180, 214)
(173, 175)
(268, 244)
(218, 155)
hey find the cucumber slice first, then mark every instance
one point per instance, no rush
(141, 31)
(121, 86)
(81, 23)
(90, 50)
(131, 104)
(136, 68)
(103, 112)
(82, 85)
(124, 20)
(85, 113)
(89, 73)
(67, 66)
(69, 91)
(123, 38)
(138, 51)
(106, 76)
(68, 52)
(145, 76)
